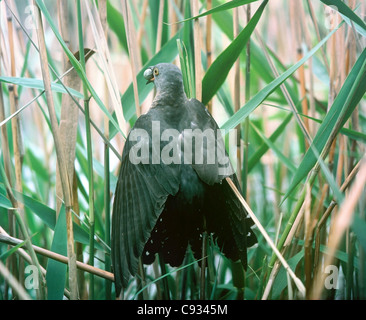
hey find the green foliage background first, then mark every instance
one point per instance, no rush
(302, 137)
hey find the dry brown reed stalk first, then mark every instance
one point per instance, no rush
(4, 238)
(143, 31)
(13, 98)
(341, 223)
(336, 65)
(340, 164)
(209, 44)
(7, 162)
(20, 251)
(310, 91)
(132, 50)
(270, 281)
(319, 213)
(64, 25)
(326, 214)
(4, 133)
(16, 212)
(197, 49)
(102, 9)
(350, 59)
(310, 226)
(142, 18)
(4, 136)
(100, 41)
(307, 237)
(285, 248)
(337, 78)
(40, 124)
(17, 29)
(298, 18)
(60, 152)
(33, 258)
(304, 103)
(316, 27)
(18, 152)
(264, 233)
(160, 26)
(68, 131)
(296, 228)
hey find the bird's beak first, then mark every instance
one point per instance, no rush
(148, 75)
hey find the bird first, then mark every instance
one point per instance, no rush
(171, 186)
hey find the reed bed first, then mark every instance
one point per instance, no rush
(286, 80)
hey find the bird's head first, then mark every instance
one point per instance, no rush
(166, 77)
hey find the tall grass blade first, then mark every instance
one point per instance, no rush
(186, 70)
(359, 228)
(76, 64)
(226, 6)
(56, 271)
(48, 217)
(217, 73)
(253, 103)
(257, 155)
(345, 10)
(38, 84)
(346, 101)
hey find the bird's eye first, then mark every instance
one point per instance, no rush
(156, 71)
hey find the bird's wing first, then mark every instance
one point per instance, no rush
(216, 164)
(215, 174)
(240, 222)
(141, 192)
